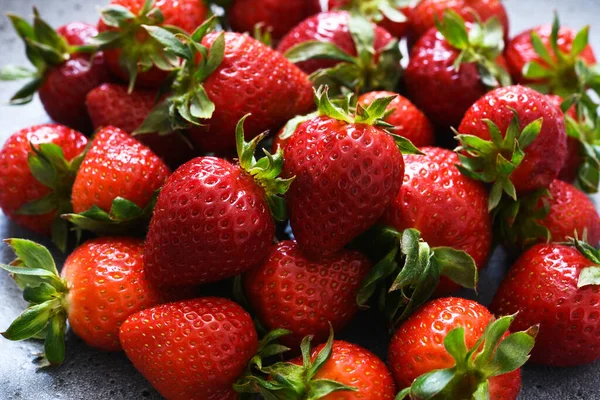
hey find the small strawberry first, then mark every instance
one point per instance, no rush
(39, 166)
(453, 348)
(101, 284)
(556, 286)
(453, 65)
(191, 350)
(111, 105)
(212, 219)
(291, 292)
(65, 69)
(514, 138)
(116, 185)
(392, 15)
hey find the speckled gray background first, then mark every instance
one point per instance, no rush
(89, 374)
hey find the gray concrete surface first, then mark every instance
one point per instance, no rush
(90, 374)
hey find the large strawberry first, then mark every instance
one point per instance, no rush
(138, 37)
(392, 15)
(212, 219)
(453, 65)
(102, 282)
(65, 71)
(556, 286)
(116, 185)
(292, 292)
(191, 350)
(514, 138)
(110, 104)
(453, 348)
(39, 166)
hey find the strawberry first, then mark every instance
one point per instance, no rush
(292, 292)
(453, 348)
(277, 16)
(556, 286)
(493, 125)
(39, 166)
(453, 65)
(65, 69)
(574, 159)
(212, 218)
(425, 12)
(547, 56)
(138, 37)
(392, 15)
(110, 105)
(101, 284)
(344, 50)
(191, 350)
(116, 184)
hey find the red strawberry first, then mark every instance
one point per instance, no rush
(101, 284)
(110, 105)
(450, 68)
(386, 13)
(191, 350)
(574, 158)
(556, 286)
(277, 16)
(138, 53)
(212, 218)
(432, 347)
(35, 186)
(64, 75)
(291, 292)
(500, 118)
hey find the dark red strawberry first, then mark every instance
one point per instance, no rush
(111, 105)
(392, 15)
(453, 65)
(191, 350)
(39, 166)
(65, 71)
(556, 286)
(456, 347)
(488, 133)
(291, 292)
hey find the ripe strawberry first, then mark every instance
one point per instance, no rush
(137, 46)
(392, 15)
(191, 350)
(39, 166)
(291, 292)
(455, 346)
(212, 218)
(547, 56)
(556, 286)
(101, 284)
(110, 105)
(488, 133)
(116, 183)
(453, 65)
(64, 73)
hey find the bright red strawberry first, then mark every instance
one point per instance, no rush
(500, 118)
(111, 105)
(291, 292)
(556, 286)
(191, 350)
(101, 284)
(212, 219)
(437, 338)
(386, 13)
(30, 194)
(443, 89)
(64, 75)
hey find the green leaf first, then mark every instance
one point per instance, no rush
(25, 94)
(580, 42)
(530, 133)
(124, 210)
(429, 385)
(169, 41)
(39, 294)
(310, 50)
(33, 255)
(60, 234)
(454, 30)
(541, 49)
(320, 388)
(44, 205)
(492, 336)
(15, 72)
(457, 265)
(42, 170)
(483, 391)
(322, 357)
(534, 70)
(589, 276)
(157, 121)
(363, 35)
(22, 27)
(46, 35)
(116, 15)
(215, 55)
(201, 106)
(512, 353)
(455, 345)
(54, 345)
(30, 322)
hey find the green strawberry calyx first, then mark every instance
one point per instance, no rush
(495, 353)
(377, 10)
(368, 71)
(481, 43)
(35, 272)
(45, 48)
(286, 380)
(493, 161)
(589, 275)
(408, 273)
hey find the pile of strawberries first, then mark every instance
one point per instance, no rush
(300, 175)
